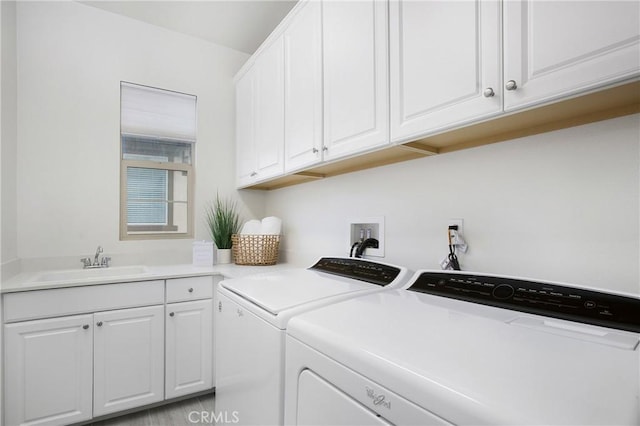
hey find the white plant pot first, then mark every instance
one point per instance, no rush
(223, 256)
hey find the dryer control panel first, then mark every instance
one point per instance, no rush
(548, 299)
(358, 269)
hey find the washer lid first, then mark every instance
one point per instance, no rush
(279, 291)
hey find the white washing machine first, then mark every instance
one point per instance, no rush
(251, 319)
(460, 348)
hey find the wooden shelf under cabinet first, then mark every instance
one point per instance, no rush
(610, 103)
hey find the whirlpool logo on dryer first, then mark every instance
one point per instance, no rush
(378, 399)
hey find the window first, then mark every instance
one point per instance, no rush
(157, 136)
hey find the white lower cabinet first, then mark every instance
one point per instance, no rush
(49, 365)
(188, 348)
(88, 351)
(128, 359)
(47, 374)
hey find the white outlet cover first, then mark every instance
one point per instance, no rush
(459, 223)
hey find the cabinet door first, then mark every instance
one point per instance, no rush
(356, 89)
(269, 112)
(245, 128)
(47, 370)
(128, 359)
(303, 88)
(554, 49)
(189, 348)
(444, 56)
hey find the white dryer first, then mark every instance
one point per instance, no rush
(461, 348)
(251, 319)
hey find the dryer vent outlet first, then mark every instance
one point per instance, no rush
(371, 227)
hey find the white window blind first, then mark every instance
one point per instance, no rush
(147, 196)
(156, 113)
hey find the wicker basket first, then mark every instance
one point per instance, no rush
(255, 249)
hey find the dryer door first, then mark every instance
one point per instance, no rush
(319, 390)
(319, 402)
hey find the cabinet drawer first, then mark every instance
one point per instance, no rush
(184, 289)
(36, 304)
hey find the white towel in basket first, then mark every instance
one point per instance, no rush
(271, 226)
(252, 227)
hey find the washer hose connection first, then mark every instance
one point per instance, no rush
(369, 242)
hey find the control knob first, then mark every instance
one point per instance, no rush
(503, 291)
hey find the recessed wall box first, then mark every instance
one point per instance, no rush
(367, 227)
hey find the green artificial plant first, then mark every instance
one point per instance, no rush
(223, 221)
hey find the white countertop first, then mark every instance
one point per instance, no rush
(28, 281)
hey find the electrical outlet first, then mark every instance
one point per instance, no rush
(454, 237)
(457, 236)
(367, 227)
(459, 223)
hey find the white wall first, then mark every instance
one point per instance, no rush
(2, 61)
(8, 103)
(8, 142)
(71, 59)
(561, 206)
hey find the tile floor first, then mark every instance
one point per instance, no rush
(175, 414)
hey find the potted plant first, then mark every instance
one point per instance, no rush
(223, 221)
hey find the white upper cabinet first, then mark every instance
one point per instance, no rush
(245, 128)
(555, 49)
(303, 88)
(269, 113)
(260, 117)
(340, 79)
(356, 93)
(445, 64)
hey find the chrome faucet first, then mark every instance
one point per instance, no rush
(97, 263)
(98, 251)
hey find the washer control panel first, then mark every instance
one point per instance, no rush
(357, 269)
(548, 299)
